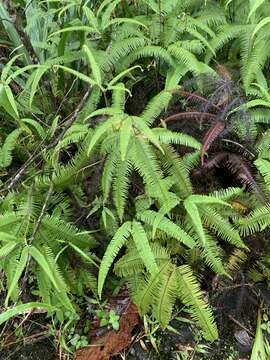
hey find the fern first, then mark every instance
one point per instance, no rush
(176, 168)
(111, 166)
(168, 227)
(8, 147)
(120, 188)
(191, 295)
(256, 221)
(131, 263)
(142, 244)
(222, 227)
(165, 295)
(113, 248)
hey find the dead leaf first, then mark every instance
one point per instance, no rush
(113, 342)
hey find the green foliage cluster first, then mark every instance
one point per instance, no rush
(96, 184)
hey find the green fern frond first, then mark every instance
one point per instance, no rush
(264, 167)
(151, 51)
(120, 50)
(52, 266)
(226, 34)
(131, 263)
(6, 249)
(169, 137)
(234, 262)
(108, 173)
(165, 295)
(146, 289)
(211, 253)
(142, 244)
(120, 186)
(119, 97)
(112, 250)
(145, 162)
(189, 60)
(8, 147)
(226, 194)
(10, 220)
(191, 295)
(221, 227)
(55, 228)
(167, 226)
(20, 266)
(258, 220)
(193, 46)
(195, 219)
(177, 169)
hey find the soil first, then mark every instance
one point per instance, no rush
(42, 350)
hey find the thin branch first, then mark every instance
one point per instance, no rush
(240, 325)
(240, 145)
(33, 236)
(70, 121)
(41, 215)
(186, 115)
(15, 179)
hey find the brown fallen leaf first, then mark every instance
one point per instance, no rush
(113, 342)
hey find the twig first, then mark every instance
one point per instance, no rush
(70, 121)
(240, 325)
(225, 288)
(53, 143)
(41, 215)
(23, 35)
(32, 338)
(240, 145)
(33, 236)
(66, 95)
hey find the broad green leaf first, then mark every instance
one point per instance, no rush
(7, 101)
(78, 74)
(41, 260)
(261, 24)
(39, 129)
(19, 270)
(143, 247)
(20, 309)
(84, 28)
(83, 254)
(125, 134)
(93, 64)
(7, 249)
(37, 76)
(258, 349)
(255, 6)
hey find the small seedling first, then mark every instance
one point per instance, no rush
(108, 319)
